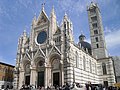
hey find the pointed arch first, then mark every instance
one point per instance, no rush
(54, 56)
(39, 61)
(104, 68)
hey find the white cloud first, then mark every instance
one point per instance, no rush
(107, 30)
(25, 3)
(73, 5)
(4, 12)
(113, 39)
(78, 6)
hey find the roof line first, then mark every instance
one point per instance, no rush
(6, 64)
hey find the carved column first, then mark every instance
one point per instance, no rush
(62, 71)
(49, 76)
(21, 78)
(45, 77)
(33, 76)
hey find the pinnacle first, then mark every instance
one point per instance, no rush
(43, 6)
(53, 11)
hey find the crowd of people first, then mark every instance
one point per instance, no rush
(70, 87)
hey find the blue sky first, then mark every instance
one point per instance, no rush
(17, 15)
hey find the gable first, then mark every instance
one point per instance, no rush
(26, 57)
(53, 50)
(42, 18)
(39, 53)
(58, 31)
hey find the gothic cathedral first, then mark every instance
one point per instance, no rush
(50, 57)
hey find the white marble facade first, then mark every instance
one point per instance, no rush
(49, 55)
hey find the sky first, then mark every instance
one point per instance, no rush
(17, 15)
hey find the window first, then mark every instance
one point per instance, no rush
(68, 26)
(96, 38)
(97, 45)
(94, 25)
(95, 31)
(77, 60)
(84, 63)
(42, 17)
(5, 69)
(94, 18)
(57, 39)
(90, 66)
(64, 25)
(104, 68)
(95, 68)
(92, 11)
(3, 78)
(0, 68)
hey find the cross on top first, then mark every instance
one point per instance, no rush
(43, 4)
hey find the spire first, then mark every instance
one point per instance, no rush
(24, 30)
(92, 5)
(42, 15)
(65, 16)
(53, 11)
(34, 16)
(43, 6)
(53, 22)
(24, 33)
(34, 19)
(24, 37)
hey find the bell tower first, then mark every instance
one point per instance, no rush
(96, 31)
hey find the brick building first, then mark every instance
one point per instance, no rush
(6, 75)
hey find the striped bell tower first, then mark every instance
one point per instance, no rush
(96, 31)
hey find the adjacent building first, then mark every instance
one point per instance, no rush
(49, 56)
(116, 60)
(6, 75)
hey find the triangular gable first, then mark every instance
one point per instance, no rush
(42, 18)
(58, 31)
(26, 57)
(54, 49)
(39, 53)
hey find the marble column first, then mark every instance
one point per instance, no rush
(62, 73)
(33, 76)
(45, 77)
(21, 78)
(49, 76)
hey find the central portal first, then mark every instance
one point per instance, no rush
(56, 78)
(40, 78)
(27, 80)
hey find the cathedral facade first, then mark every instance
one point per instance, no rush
(50, 57)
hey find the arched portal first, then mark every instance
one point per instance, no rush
(55, 70)
(27, 73)
(40, 68)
